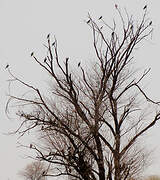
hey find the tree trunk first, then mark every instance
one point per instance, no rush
(117, 159)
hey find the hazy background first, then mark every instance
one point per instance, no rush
(24, 25)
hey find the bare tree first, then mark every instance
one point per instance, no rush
(34, 171)
(92, 121)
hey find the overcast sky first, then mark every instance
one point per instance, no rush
(24, 25)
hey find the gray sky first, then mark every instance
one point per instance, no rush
(24, 25)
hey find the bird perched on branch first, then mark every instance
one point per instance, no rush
(150, 23)
(45, 59)
(100, 17)
(22, 115)
(32, 53)
(79, 64)
(7, 66)
(48, 36)
(116, 6)
(145, 7)
(113, 35)
(88, 21)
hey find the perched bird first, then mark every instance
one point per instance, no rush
(88, 21)
(53, 43)
(150, 23)
(144, 7)
(7, 66)
(112, 34)
(32, 53)
(116, 6)
(45, 59)
(79, 64)
(43, 173)
(30, 145)
(100, 17)
(48, 36)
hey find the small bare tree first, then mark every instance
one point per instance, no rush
(34, 171)
(91, 122)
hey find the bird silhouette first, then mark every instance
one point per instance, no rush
(32, 53)
(7, 66)
(53, 43)
(88, 21)
(150, 23)
(79, 64)
(45, 59)
(30, 145)
(112, 34)
(100, 17)
(116, 6)
(145, 7)
(48, 36)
